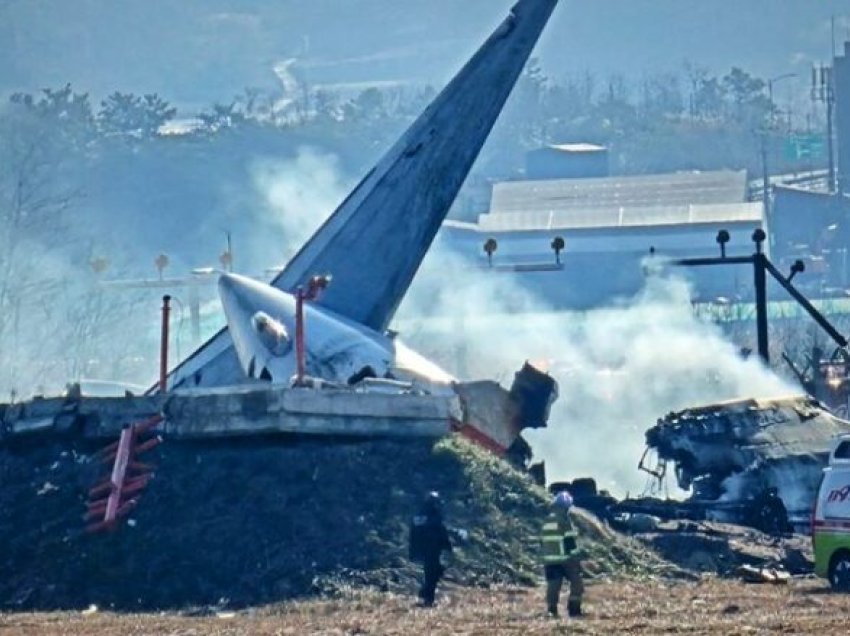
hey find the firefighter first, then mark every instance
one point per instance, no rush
(429, 538)
(561, 556)
(771, 515)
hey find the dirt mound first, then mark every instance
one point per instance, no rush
(246, 523)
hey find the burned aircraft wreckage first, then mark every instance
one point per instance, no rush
(739, 459)
(755, 461)
(728, 454)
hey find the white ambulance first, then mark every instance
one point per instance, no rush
(831, 518)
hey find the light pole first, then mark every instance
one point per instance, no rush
(490, 246)
(770, 83)
(766, 189)
(774, 111)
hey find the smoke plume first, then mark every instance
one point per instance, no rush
(619, 368)
(299, 194)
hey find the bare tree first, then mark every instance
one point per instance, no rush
(32, 207)
(53, 320)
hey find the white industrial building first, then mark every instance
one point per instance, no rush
(608, 226)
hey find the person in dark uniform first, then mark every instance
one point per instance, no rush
(771, 515)
(561, 557)
(429, 538)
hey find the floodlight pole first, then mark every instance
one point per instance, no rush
(760, 280)
(761, 267)
(765, 179)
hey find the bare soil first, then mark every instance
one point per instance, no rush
(613, 606)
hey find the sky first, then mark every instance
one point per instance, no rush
(195, 52)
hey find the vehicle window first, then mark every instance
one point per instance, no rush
(843, 450)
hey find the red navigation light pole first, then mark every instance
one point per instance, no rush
(314, 287)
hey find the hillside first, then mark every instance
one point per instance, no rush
(198, 52)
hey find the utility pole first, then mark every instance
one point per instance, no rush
(765, 179)
(770, 129)
(830, 101)
(226, 258)
(824, 91)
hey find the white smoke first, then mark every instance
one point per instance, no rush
(619, 368)
(63, 326)
(300, 193)
(796, 479)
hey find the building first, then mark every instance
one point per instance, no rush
(812, 226)
(673, 189)
(567, 161)
(609, 226)
(809, 221)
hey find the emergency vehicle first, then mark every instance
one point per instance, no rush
(831, 518)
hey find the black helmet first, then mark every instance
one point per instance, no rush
(432, 501)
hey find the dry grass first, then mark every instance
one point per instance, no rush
(710, 606)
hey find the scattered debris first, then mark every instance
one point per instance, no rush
(752, 574)
(46, 488)
(637, 521)
(722, 548)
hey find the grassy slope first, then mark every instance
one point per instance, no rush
(261, 522)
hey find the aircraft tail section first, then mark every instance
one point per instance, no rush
(375, 241)
(373, 244)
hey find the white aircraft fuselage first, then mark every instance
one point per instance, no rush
(262, 323)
